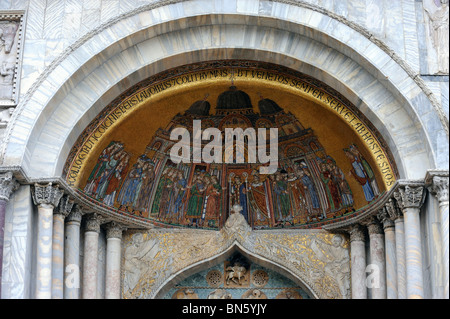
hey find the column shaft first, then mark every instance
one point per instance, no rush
(44, 252)
(443, 206)
(413, 247)
(113, 252)
(2, 236)
(90, 265)
(401, 257)
(8, 185)
(72, 256)
(358, 252)
(58, 257)
(90, 257)
(377, 255)
(358, 262)
(391, 262)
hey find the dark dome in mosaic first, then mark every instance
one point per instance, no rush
(233, 99)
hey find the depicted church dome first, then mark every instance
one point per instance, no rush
(233, 99)
(267, 106)
(200, 107)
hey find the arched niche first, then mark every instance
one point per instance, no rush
(219, 259)
(101, 65)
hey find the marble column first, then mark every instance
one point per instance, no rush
(46, 197)
(113, 253)
(358, 262)
(72, 254)
(396, 215)
(390, 250)
(8, 185)
(439, 187)
(63, 210)
(90, 256)
(410, 199)
(377, 255)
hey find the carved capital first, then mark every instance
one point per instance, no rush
(46, 194)
(65, 206)
(114, 230)
(357, 233)
(75, 215)
(410, 196)
(385, 219)
(374, 226)
(93, 222)
(8, 184)
(439, 187)
(392, 209)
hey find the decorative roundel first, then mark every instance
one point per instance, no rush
(260, 278)
(214, 278)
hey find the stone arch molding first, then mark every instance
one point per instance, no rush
(317, 260)
(105, 62)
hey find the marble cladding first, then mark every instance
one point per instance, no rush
(18, 251)
(394, 22)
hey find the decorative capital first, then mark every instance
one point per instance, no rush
(93, 222)
(46, 194)
(410, 196)
(385, 219)
(374, 226)
(439, 187)
(75, 215)
(357, 233)
(392, 209)
(8, 184)
(114, 230)
(65, 206)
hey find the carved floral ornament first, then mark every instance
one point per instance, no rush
(46, 194)
(319, 260)
(8, 184)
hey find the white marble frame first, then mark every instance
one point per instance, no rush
(20, 17)
(107, 61)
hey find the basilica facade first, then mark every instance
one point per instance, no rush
(238, 149)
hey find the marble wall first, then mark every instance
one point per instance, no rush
(405, 26)
(18, 250)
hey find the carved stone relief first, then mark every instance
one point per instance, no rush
(151, 259)
(10, 48)
(437, 13)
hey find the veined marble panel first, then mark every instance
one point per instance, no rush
(18, 246)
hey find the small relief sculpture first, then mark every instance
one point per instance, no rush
(289, 294)
(220, 294)
(135, 256)
(254, 294)
(438, 13)
(235, 274)
(185, 294)
(236, 223)
(5, 116)
(337, 262)
(8, 31)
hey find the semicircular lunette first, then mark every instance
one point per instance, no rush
(330, 161)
